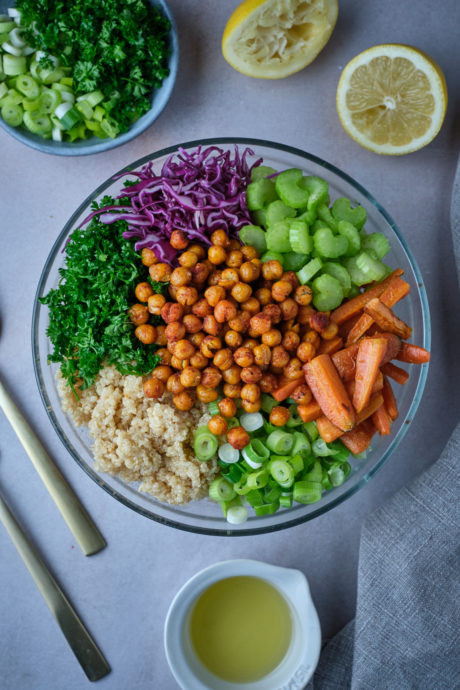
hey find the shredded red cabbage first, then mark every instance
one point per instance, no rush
(196, 192)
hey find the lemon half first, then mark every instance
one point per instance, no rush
(271, 39)
(392, 99)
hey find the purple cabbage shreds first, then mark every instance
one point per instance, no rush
(196, 192)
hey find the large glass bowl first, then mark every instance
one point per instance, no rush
(205, 516)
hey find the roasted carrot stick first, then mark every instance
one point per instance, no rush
(371, 407)
(389, 399)
(327, 430)
(310, 412)
(370, 354)
(349, 309)
(345, 362)
(376, 388)
(395, 373)
(382, 421)
(328, 347)
(346, 326)
(393, 345)
(396, 290)
(285, 390)
(386, 319)
(358, 439)
(413, 354)
(329, 391)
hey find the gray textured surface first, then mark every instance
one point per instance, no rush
(124, 592)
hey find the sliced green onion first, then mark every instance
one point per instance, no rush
(280, 442)
(267, 403)
(205, 446)
(14, 65)
(294, 419)
(233, 472)
(3, 88)
(301, 442)
(258, 480)
(6, 27)
(68, 115)
(221, 490)
(241, 486)
(251, 421)
(315, 474)
(321, 448)
(37, 123)
(282, 472)
(307, 492)
(338, 473)
(49, 100)
(12, 114)
(272, 491)
(254, 498)
(233, 422)
(56, 134)
(93, 98)
(228, 454)
(213, 408)
(16, 38)
(296, 463)
(28, 86)
(311, 430)
(285, 500)
(267, 508)
(236, 515)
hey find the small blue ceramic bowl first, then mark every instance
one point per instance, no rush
(84, 147)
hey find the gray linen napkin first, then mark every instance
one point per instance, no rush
(406, 634)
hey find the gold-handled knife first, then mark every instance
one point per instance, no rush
(82, 644)
(81, 525)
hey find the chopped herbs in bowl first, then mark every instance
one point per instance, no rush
(84, 77)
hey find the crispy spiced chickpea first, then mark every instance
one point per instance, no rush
(280, 357)
(206, 395)
(293, 370)
(138, 314)
(289, 309)
(330, 331)
(262, 356)
(192, 323)
(224, 311)
(233, 339)
(260, 323)
(273, 311)
(306, 351)
(227, 407)
(319, 320)
(143, 291)
(187, 295)
(199, 361)
(234, 259)
(240, 322)
(161, 338)
(264, 296)
(223, 359)
(220, 238)
(148, 257)
(303, 315)
(184, 349)
(251, 343)
(190, 377)
(173, 384)
(180, 364)
(251, 392)
(249, 272)
(197, 338)
(249, 252)
(290, 341)
(178, 239)
(211, 325)
(251, 406)
(145, 333)
(160, 272)
(214, 277)
(251, 306)
(272, 337)
(202, 308)
(188, 259)
(200, 273)
(217, 255)
(290, 325)
(162, 372)
(272, 270)
(174, 331)
(279, 416)
(228, 278)
(217, 425)
(171, 311)
(238, 437)
(183, 401)
(244, 357)
(241, 292)
(303, 295)
(268, 383)
(172, 291)
(155, 304)
(281, 290)
(232, 390)
(154, 388)
(210, 345)
(302, 394)
(164, 355)
(181, 276)
(291, 277)
(251, 374)
(214, 294)
(233, 245)
(232, 374)
(198, 250)
(312, 337)
(211, 377)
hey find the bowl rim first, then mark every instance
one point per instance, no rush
(227, 531)
(70, 150)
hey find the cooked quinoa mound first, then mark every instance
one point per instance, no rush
(140, 439)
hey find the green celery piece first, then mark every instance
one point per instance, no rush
(377, 242)
(327, 292)
(289, 190)
(373, 268)
(317, 189)
(342, 210)
(328, 245)
(293, 261)
(300, 240)
(261, 171)
(254, 236)
(276, 211)
(351, 233)
(272, 256)
(339, 272)
(260, 193)
(358, 277)
(260, 217)
(326, 216)
(309, 270)
(278, 237)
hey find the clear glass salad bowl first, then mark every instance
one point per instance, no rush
(205, 516)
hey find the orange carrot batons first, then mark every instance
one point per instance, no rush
(327, 430)
(370, 354)
(413, 354)
(349, 309)
(395, 373)
(396, 291)
(285, 390)
(358, 440)
(389, 400)
(329, 391)
(382, 421)
(386, 319)
(309, 412)
(345, 362)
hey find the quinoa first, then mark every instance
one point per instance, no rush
(140, 439)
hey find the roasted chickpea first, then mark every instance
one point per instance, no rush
(214, 295)
(154, 388)
(238, 437)
(280, 357)
(202, 308)
(138, 314)
(180, 364)
(214, 277)
(200, 272)
(251, 374)
(233, 339)
(148, 257)
(171, 311)
(155, 303)
(302, 394)
(173, 384)
(319, 320)
(264, 296)
(172, 291)
(312, 337)
(234, 259)
(232, 374)
(291, 277)
(161, 338)
(330, 331)
(198, 250)
(187, 295)
(145, 333)
(181, 276)
(174, 331)
(251, 406)
(210, 345)
(272, 270)
(160, 272)
(260, 323)
(211, 325)
(178, 239)
(251, 343)
(217, 425)
(290, 325)
(199, 361)
(273, 311)
(232, 390)
(206, 395)
(197, 338)
(249, 272)
(241, 292)
(262, 356)
(290, 341)
(293, 370)
(289, 308)
(268, 383)
(211, 377)
(224, 311)
(303, 295)
(162, 372)
(143, 291)
(240, 322)
(192, 323)
(281, 289)
(303, 315)
(184, 349)
(188, 259)
(252, 306)
(183, 401)
(164, 355)
(249, 252)
(227, 407)
(190, 377)
(244, 357)
(223, 359)
(306, 351)
(217, 255)
(233, 245)
(228, 278)
(220, 238)
(279, 416)
(272, 338)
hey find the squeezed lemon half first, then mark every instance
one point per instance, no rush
(271, 39)
(392, 99)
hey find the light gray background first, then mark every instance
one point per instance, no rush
(123, 593)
